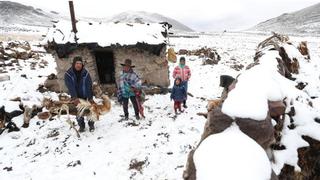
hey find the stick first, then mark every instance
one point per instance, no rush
(190, 94)
(73, 127)
(66, 108)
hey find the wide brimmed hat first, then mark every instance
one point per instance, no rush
(128, 62)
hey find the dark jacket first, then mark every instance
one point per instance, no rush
(178, 93)
(80, 87)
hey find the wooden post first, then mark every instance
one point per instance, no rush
(73, 18)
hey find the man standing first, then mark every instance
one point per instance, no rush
(129, 82)
(184, 73)
(79, 84)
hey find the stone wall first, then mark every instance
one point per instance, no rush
(63, 64)
(152, 69)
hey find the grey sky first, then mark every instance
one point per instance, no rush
(200, 15)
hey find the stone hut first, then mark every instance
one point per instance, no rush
(104, 47)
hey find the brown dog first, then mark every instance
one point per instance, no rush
(93, 110)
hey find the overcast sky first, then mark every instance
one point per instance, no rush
(200, 15)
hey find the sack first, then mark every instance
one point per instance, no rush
(172, 55)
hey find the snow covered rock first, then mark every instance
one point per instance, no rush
(260, 131)
(22, 53)
(269, 79)
(231, 155)
(210, 61)
(10, 53)
(183, 52)
(278, 63)
(1, 50)
(4, 78)
(267, 89)
(288, 54)
(1, 56)
(208, 55)
(16, 50)
(16, 44)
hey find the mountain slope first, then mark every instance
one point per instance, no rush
(18, 17)
(16, 13)
(306, 20)
(146, 17)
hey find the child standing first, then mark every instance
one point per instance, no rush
(178, 94)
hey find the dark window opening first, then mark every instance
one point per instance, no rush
(105, 65)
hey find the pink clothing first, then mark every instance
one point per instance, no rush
(184, 73)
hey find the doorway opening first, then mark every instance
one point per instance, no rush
(105, 65)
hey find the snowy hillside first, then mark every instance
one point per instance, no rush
(304, 21)
(21, 18)
(153, 148)
(18, 17)
(146, 17)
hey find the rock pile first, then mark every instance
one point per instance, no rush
(14, 52)
(208, 55)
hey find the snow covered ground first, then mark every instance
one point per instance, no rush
(152, 148)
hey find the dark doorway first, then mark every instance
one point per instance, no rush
(105, 65)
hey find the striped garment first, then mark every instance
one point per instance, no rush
(79, 88)
(184, 73)
(127, 81)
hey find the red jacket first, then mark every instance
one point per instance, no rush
(184, 73)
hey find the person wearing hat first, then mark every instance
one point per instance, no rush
(128, 83)
(183, 72)
(79, 84)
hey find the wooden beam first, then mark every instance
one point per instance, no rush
(73, 18)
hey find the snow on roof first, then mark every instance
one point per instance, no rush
(106, 34)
